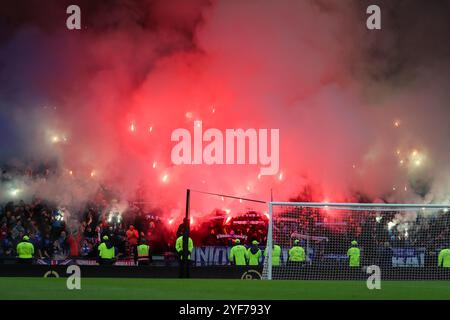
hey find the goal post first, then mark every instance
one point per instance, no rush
(340, 240)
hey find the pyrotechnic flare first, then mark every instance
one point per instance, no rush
(15, 192)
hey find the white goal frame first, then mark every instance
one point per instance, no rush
(350, 206)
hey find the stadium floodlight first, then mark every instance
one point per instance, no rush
(404, 240)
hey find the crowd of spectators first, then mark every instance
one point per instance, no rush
(221, 229)
(58, 234)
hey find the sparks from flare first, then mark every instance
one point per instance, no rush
(56, 139)
(15, 192)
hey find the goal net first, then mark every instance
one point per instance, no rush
(340, 240)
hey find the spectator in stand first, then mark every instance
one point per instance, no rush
(97, 234)
(385, 255)
(47, 246)
(7, 246)
(63, 245)
(3, 231)
(73, 241)
(119, 238)
(36, 240)
(86, 248)
(89, 234)
(133, 237)
(17, 230)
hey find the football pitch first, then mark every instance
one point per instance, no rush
(208, 289)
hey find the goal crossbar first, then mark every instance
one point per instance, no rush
(360, 205)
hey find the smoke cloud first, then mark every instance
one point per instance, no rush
(362, 114)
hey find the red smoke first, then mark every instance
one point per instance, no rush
(296, 66)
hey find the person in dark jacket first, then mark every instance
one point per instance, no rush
(385, 255)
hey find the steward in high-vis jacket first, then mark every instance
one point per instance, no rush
(179, 247)
(254, 254)
(444, 258)
(297, 253)
(238, 254)
(354, 255)
(25, 251)
(143, 256)
(106, 252)
(184, 266)
(276, 255)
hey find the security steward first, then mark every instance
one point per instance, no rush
(354, 255)
(444, 258)
(238, 254)
(143, 257)
(254, 254)
(106, 252)
(25, 251)
(276, 255)
(296, 254)
(179, 250)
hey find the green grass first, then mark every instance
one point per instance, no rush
(120, 288)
